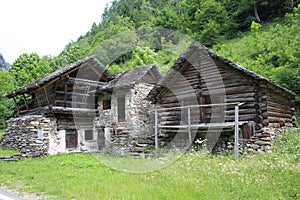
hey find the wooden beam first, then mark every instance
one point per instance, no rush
(16, 104)
(198, 106)
(37, 98)
(26, 103)
(97, 72)
(57, 78)
(66, 95)
(46, 95)
(189, 126)
(236, 133)
(153, 76)
(156, 130)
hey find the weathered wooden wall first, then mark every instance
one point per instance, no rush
(210, 85)
(280, 108)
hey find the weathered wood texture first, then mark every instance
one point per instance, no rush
(215, 82)
(280, 108)
(212, 84)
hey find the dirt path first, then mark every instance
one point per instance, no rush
(20, 195)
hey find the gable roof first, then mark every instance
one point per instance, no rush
(131, 77)
(92, 61)
(195, 51)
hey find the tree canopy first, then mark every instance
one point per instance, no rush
(262, 35)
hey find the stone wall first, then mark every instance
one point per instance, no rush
(135, 134)
(262, 140)
(139, 113)
(30, 135)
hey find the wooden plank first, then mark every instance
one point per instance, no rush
(236, 133)
(278, 105)
(246, 94)
(65, 96)
(241, 118)
(197, 106)
(279, 115)
(156, 130)
(25, 100)
(242, 99)
(37, 98)
(15, 102)
(45, 91)
(189, 126)
(241, 111)
(278, 110)
(206, 125)
(153, 76)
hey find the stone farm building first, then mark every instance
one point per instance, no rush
(83, 107)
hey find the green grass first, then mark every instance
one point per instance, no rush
(8, 152)
(274, 175)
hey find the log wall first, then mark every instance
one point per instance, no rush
(211, 84)
(280, 108)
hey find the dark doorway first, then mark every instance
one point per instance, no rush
(101, 139)
(71, 139)
(121, 109)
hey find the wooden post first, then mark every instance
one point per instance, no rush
(66, 95)
(156, 130)
(16, 105)
(37, 98)
(46, 95)
(189, 126)
(236, 132)
(26, 103)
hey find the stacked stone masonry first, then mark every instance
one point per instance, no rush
(30, 135)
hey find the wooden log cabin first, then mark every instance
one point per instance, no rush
(202, 88)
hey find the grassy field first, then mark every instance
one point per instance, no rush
(273, 175)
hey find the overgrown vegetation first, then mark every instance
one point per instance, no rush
(271, 49)
(273, 175)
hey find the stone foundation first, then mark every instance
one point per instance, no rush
(123, 143)
(30, 135)
(263, 140)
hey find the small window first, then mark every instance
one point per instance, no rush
(40, 133)
(88, 134)
(106, 104)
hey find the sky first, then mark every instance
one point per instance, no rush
(44, 26)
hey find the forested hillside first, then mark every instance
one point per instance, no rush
(262, 35)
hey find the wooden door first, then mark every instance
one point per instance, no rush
(71, 139)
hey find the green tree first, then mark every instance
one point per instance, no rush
(211, 22)
(273, 52)
(29, 67)
(72, 53)
(6, 105)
